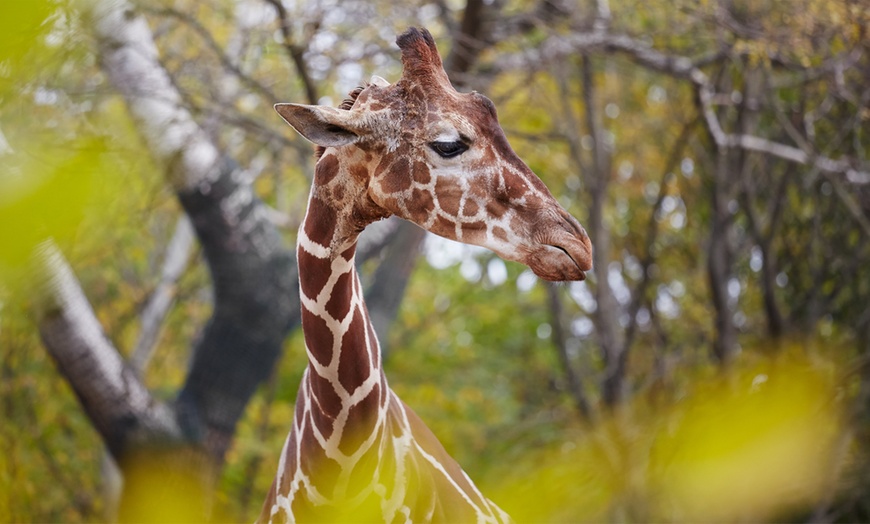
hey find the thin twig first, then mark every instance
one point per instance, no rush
(296, 52)
(212, 44)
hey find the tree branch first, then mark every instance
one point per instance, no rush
(163, 297)
(296, 52)
(469, 41)
(652, 230)
(121, 408)
(254, 275)
(212, 44)
(556, 48)
(572, 379)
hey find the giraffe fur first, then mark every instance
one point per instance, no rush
(429, 154)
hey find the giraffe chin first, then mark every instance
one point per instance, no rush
(556, 264)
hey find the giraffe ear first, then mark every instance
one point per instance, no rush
(325, 126)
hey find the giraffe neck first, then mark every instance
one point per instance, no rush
(345, 388)
(343, 350)
(355, 451)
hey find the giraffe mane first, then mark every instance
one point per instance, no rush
(345, 105)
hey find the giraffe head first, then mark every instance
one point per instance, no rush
(439, 158)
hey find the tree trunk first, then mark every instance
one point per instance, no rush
(607, 311)
(255, 297)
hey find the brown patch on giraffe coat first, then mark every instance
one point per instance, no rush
(359, 172)
(353, 367)
(515, 187)
(361, 420)
(516, 225)
(495, 209)
(500, 233)
(471, 208)
(363, 472)
(424, 205)
(300, 407)
(316, 273)
(474, 232)
(325, 170)
(420, 173)
(318, 336)
(416, 101)
(448, 195)
(397, 178)
(303, 509)
(289, 456)
(324, 423)
(388, 468)
(383, 165)
(339, 301)
(320, 222)
(444, 227)
(280, 516)
(348, 253)
(338, 193)
(321, 470)
(328, 400)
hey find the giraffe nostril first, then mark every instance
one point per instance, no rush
(572, 225)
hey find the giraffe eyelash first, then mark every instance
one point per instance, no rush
(449, 149)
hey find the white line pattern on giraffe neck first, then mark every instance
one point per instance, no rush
(390, 431)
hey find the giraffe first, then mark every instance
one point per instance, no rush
(429, 154)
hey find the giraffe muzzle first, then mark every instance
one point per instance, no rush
(567, 259)
(562, 262)
(564, 253)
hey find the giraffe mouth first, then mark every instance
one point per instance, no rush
(564, 265)
(566, 260)
(563, 252)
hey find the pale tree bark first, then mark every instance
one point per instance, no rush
(252, 271)
(253, 275)
(119, 405)
(163, 297)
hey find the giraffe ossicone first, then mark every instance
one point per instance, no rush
(439, 158)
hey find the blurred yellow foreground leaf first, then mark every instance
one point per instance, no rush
(21, 23)
(751, 445)
(45, 198)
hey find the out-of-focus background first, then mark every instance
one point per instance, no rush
(715, 366)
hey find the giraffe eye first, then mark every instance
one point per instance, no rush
(449, 149)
